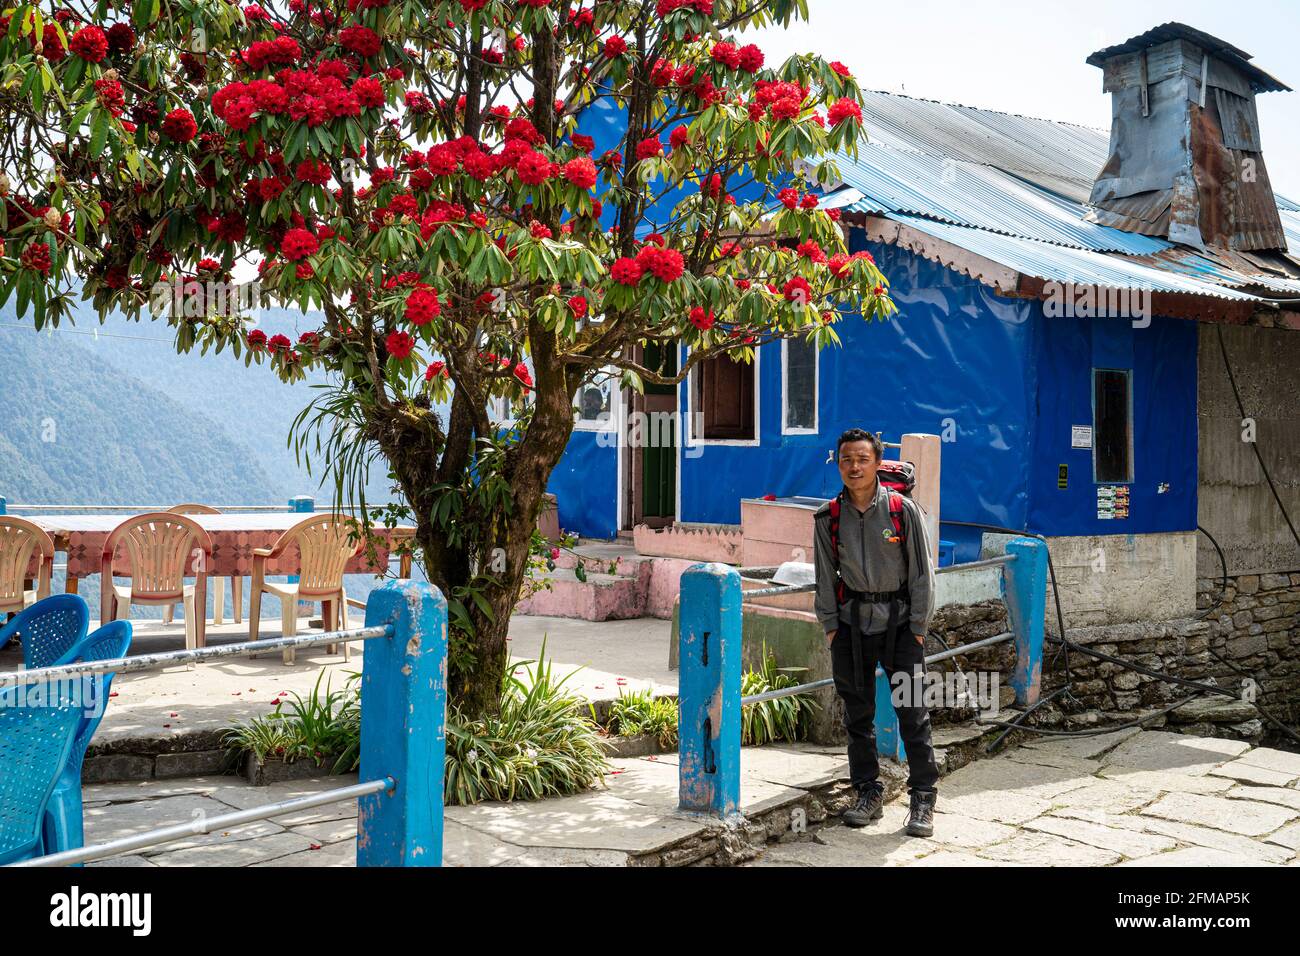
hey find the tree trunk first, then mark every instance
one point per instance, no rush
(477, 666)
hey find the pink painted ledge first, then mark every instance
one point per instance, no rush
(718, 543)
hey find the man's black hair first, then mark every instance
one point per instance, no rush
(858, 434)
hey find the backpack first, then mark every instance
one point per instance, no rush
(899, 477)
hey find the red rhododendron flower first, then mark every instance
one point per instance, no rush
(90, 44)
(649, 147)
(360, 40)
(298, 244)
(626, 271)
(256, 338)
(726, 54)
(579, 305)
(797, 290)
(309, 340)
(584, 143)
(521, 372)
(666, 265)
(751, 58)
(842, 110)
(539, 231)
(435, 370)
(615, 46)
(534, 169)
(422, 305)
(121, 38)
(701, 319)
(680, 136)
(179, 125)
(368, 91)
(840, 68)
(811, 250)
(315, 171)
(37, 258)
(399, 344)
(581, 172)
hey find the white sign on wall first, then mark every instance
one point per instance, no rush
(1080, 436)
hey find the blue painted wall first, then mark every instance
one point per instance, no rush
(1001, 379)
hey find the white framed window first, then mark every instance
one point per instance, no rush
(800, 381)
(597, 401)
(722, 401)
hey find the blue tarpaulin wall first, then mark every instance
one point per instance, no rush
(999, 380)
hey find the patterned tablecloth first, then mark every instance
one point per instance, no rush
(234, 538)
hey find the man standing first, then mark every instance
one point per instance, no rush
(875, 598)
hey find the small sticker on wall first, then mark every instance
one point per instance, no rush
(1080, 436)
(1062, 476)
(1112, 502)
(1162, 488)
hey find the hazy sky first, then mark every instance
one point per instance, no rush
(1028, 57)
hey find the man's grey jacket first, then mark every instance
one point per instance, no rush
(870, 562)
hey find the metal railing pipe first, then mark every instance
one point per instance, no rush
(225, 821)
(147, 662)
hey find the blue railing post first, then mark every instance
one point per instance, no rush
(889, 742)
(1024, 589)
(708, 727)
(2, 505)
(404, 727)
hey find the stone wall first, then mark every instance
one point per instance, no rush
(1255, 630)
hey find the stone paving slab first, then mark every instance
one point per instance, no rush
(1165, 780)
(1160, 750)
(1090, 747)
(1196, 856)
(1280, 761)
(588, 821)
(1244, 772)
(1284, 796)
(1127, 843)
(1108, 795)
(1235, 816)
(1044, 849)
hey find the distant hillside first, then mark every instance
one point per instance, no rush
(77, 429)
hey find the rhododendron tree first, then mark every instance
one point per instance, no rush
(419, 176)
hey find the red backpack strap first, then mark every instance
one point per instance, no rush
(896, 512)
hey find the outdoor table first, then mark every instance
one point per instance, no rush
(234, 537)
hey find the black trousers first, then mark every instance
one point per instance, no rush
(860, 709)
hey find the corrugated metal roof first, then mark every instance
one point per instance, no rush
(1054, 263)
(1061, 157)
(1014, 190)
(1291, 226)
(969, 194)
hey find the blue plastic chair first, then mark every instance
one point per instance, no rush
(62, 829)
(37, 726)
(48, 629)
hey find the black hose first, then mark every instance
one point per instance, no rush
(1223, 581)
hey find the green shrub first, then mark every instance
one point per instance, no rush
(785, 718)
(640, 712)
(323, 727)
(540, 744)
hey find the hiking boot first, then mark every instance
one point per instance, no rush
(920, 815)
(869, 806)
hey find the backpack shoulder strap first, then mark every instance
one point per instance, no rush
(896, 511)
(834, 511)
